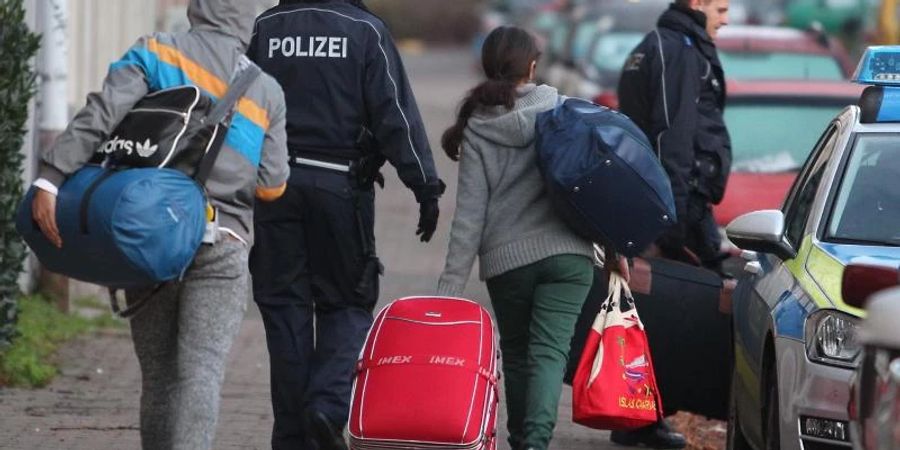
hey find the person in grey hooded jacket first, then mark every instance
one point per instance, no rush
(538, 271)
(183, 335)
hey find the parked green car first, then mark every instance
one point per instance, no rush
(847, 17)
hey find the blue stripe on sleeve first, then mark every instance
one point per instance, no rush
(142, 58)
(246, 138)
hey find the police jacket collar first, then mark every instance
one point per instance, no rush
(692, 24)
(357, 3)
(687, 21)
(298, 2)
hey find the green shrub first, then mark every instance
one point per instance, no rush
(41, 328)
(18, 45)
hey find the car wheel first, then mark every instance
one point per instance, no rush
(735, 439)
(772, 416)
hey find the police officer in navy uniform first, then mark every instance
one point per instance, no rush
(673, 87)
(315, 271)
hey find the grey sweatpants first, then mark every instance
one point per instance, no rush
(182, 338)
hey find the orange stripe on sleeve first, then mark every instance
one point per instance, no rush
(270, 194)
(254, 113)
(207, 81)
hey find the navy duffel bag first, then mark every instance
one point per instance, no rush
(603, 177)
(121, 228)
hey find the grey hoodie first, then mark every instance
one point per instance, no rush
(503, 212)
(231, 17)
(253, 162)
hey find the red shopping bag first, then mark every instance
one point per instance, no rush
(614, 386)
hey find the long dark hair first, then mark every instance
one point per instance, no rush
(506, 58)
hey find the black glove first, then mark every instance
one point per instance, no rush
(428, 218)
(673, 245)
(672, 241)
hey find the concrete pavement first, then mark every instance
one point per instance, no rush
(93, 404)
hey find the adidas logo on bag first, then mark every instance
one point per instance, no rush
(144, 150)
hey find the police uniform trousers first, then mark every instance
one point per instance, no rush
(308, 265)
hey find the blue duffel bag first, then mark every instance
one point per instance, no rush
(603, 177)
(121, 228)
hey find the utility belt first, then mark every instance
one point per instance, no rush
(363, 172)
(362, 169)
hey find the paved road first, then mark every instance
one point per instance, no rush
(93, 404)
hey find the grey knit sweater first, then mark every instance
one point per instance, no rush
(503, 212)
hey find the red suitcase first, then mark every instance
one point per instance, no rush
(427, 378)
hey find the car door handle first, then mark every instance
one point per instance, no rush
(753, 267)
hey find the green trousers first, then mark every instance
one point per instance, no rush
(537, 307)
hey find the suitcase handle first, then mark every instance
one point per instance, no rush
(427, 360)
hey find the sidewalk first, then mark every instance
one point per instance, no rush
(93, 404)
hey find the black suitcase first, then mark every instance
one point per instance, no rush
(688, 323)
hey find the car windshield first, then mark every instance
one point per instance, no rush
(779, 66)
(638, 16)
(544, 21)
(867, 206)
(775, 137)
(612, 49)
(558, 39)
(584, 33)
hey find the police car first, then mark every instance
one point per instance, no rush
(795, 339)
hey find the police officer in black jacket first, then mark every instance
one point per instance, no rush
(315, 271)
(673, 87)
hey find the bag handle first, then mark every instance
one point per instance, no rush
(134, 307)
(615, 289)
(223, 112)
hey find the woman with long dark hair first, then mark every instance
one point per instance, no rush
(538, 271)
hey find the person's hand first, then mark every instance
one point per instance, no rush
(428, 219)
(43, 210)
(620, 266)
(673, 245)
(623, 268)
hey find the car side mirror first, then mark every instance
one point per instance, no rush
(860, 281)
(761, 231)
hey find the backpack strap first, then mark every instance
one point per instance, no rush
(223, 112)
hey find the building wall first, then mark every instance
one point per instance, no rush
(100, 31)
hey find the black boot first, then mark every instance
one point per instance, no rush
(658, 435)
(324, 433)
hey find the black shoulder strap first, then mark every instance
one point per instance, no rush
(222, 113)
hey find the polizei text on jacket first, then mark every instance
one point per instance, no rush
(308, 46)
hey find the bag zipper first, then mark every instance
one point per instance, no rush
(159, 110)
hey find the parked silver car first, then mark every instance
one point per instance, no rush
(796, 340)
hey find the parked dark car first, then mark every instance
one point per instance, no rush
(574, 45)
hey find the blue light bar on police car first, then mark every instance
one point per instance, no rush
(880, 65)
